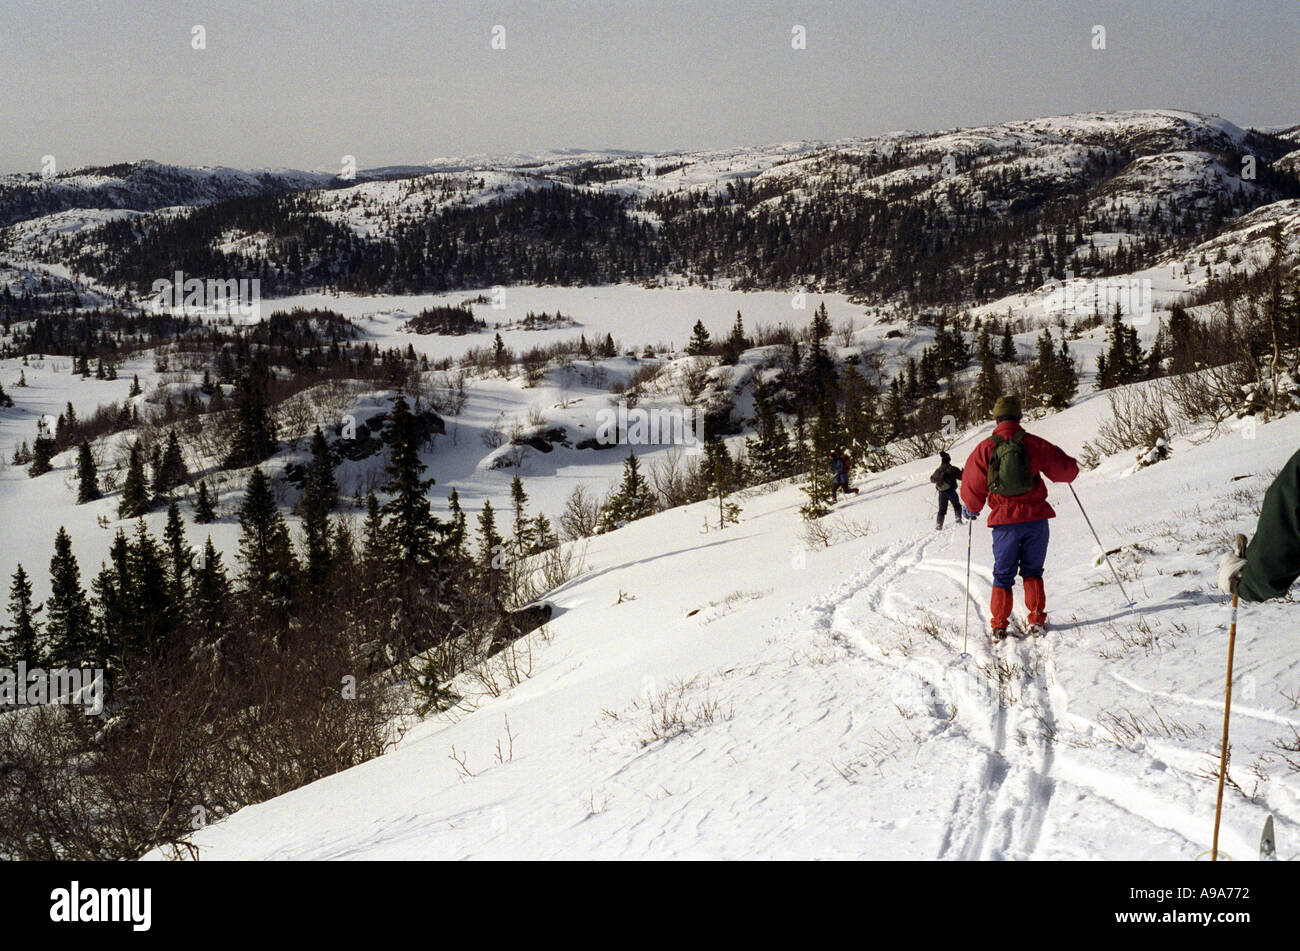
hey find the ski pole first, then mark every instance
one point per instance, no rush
(1129, 602)
(1227, 709)
(970, 532)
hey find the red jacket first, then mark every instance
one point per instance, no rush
(1044, 460)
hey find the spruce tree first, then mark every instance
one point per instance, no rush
(204, 506)
(180, 555)
(68, 629)
(254, 436)
(374, 542)
(545, 535)
(264, 551)
(321, 483)
(817, 375)
(172, 469)
(827, 438)
(210, 597)
(699, 343)
(1008, 344)
(87, 480)
(735, 344)
(410, 524)
(769, 448)
(1066, 379)
(135, 491)
(490, 544)
(152, 611)
(524, 534)
(318, 546)
(631, 501)
(24, 632)
(988, 386)
(723, 478)
(43, 450)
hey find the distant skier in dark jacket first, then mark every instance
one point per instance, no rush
(1272, 561)
(1007, 469)
(945, 480)
(840, 466)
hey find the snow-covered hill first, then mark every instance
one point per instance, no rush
(907, 215)
(738, 694)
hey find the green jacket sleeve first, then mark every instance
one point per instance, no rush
(1273, 556)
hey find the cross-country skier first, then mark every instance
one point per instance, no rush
(840, 473)
(945, 480)
(1272, 561)
(1007, 469)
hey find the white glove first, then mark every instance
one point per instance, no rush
(1231, 565)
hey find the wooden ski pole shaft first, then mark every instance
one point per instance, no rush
(1227, 709)
(970, 531)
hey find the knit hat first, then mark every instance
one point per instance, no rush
(944, 457)
(1007, 407)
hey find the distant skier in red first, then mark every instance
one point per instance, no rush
(1007, 469)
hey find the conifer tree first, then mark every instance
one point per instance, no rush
(321, 482)
(827, 437)
(699, 343)
(524, 536)
(152, 613)
(490, 543)
(87, 480)
(24, 632)
(264, 551)
(988, 386)
(172, 471)
(735, 344)
(544, 533)
(210, 595)
(318, 548)
(411, 524)
(204, 506)
(769, 448)
(720, 469)
(1008, 344)
(631, 501)
(43, 450)
(1066, 379)
(817, 375)
(180, 556)
(135, 491)
(68, 629)
(454, 542)
(254, 436)
(374, 543)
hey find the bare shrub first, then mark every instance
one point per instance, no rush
(581, 514)
(677, 479)
(1139, 416)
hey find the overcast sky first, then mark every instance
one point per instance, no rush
(300, 84)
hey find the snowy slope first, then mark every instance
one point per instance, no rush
(820, 707)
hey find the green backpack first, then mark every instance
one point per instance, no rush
(1009, 472)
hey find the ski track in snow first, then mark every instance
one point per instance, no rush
(1000, 809)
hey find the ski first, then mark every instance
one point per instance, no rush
(1267, 844)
